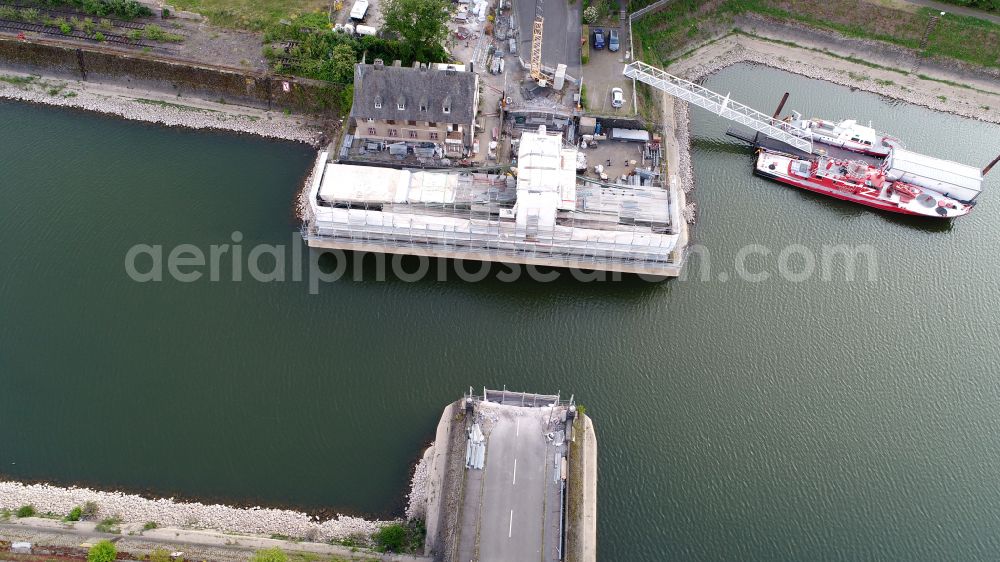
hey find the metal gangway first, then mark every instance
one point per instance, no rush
(718, 104)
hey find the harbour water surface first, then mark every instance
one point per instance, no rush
(825, 418)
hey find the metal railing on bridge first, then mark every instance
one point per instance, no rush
(718, 104)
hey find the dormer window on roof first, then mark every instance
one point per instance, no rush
(446, 106)
(423, 104)
(378, 102)
(401, 103)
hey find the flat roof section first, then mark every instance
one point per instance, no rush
(543, 165)
(345, 183)
(363, 184)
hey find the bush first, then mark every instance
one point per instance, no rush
(391, 537)
(584, 59)
(591, 14)
(89, 510)
(125, 9)
(269, 555)
(159, 555)
(154, 32)
(165, 13)
(75, 514)
(99, 36)
(26, 511)
(103, 551)
(150, 525)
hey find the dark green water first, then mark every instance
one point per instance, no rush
(777, 420)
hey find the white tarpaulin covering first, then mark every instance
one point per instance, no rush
(543, 165)
(431, 187)
(359, 184)
(944, 176)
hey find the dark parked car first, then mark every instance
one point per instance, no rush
(598, 38)
(613, 44)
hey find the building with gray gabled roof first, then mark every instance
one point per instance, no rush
(418, 105)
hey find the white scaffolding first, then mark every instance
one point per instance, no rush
(602, 226)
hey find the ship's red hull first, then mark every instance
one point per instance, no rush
(857, 182)
(875, 204)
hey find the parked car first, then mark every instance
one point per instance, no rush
(613, 44)
(617, 97)
(598, 38)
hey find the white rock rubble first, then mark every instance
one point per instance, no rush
(169, 513)
(165, 113)
(416, 505)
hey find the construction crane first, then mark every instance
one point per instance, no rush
(719, 104)
(536, 44)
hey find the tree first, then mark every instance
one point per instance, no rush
(342, 64)
(103, 551)
(391, 537)
(420, 24)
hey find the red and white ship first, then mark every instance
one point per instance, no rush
(858, 182)
(846, 134)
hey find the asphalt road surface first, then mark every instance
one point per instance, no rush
(560, 36)
(519, 482)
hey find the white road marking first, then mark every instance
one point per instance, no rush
(510, 529)
(515, 473)
(517, 427)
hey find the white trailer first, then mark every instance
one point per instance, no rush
(633, 135)
(359, 10)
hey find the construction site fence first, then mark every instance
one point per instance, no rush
(514, 398)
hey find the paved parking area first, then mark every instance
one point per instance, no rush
(604, 72)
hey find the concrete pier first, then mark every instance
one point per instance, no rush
(529, 494)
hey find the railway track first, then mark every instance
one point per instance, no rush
(68, 14)
(19, 26)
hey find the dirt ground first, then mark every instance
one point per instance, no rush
(619, 153)
(373, 17)
(215, 45)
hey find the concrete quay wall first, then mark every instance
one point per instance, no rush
(183, 78)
